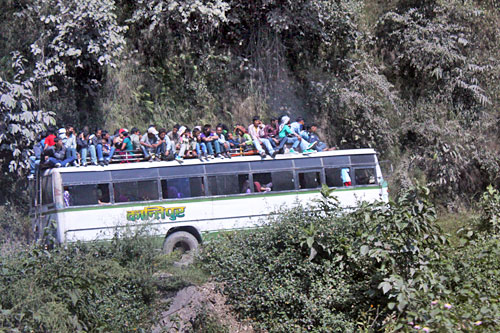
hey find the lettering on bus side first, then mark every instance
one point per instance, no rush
(156, 212)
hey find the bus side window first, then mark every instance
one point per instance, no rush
(309, 180)
(223, 184)
(365, 176)
(228, 184)
(182, 188)
(136, 191)
(283, 181)
(82, 195)
(333, 177)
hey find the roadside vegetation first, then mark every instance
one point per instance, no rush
(379, 268)
(416, 80)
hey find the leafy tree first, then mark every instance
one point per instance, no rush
(78, 39)
(20, 121)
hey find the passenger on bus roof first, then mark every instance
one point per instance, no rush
(271, 132)
(224, 145)
(289, 136)
(166, 149)
(86, 146)
(70, 143)
(127, 143)
(188, 144)
(201, 147)
(233, 143)
(256, 131)
(149, 142)
(174, 137)
(58, 158)
(135, 137)
(211, 141)
(106, 149)
(243, 138)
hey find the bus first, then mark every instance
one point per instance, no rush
(184, 202)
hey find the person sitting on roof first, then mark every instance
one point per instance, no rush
(256, 131)
(70, 142)
(105, 150)
(298, 126)
(127, 142)
(188, 144)
(175, 137)
(233, 143)
(84, 142)
(211, 140)
(314, 139)
(135, 137)
(166, 149)
(150, 143)
(224, 145)
(288, 136)
(201, 147)
(271, 132)
(243, 139)
(58, 158)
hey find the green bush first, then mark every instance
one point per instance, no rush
(320, 271)
(381, 267)
(80, 287)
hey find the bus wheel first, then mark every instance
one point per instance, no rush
(185, 243)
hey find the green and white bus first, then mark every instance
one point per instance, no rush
(184, 202)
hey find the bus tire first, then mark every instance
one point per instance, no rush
(183, 241)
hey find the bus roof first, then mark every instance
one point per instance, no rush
(195, 161)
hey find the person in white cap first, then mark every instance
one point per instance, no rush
(150, 143)
(288, 136)
(188, 144)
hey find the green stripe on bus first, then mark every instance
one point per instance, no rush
(139, 204)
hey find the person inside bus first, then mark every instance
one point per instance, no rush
(346, 178)
(259, 188)
(67, 197)
(211, 141)
(103, 194)
(288, 136)
(166, 150)
(58, 158)
(256, 131)
(149, 142)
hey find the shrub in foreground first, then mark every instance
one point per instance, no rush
(381, 267)
(83, 287)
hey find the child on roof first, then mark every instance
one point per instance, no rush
(243, 139)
